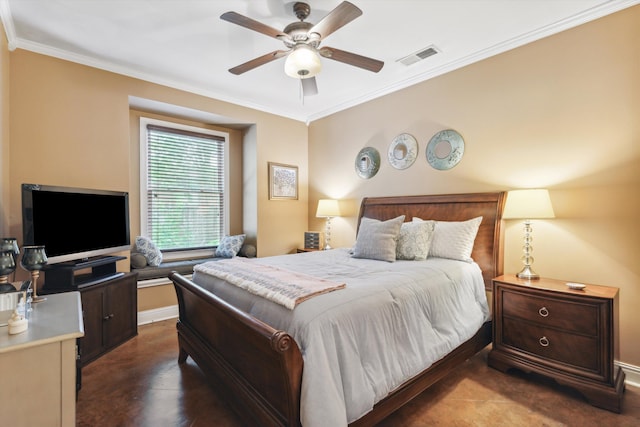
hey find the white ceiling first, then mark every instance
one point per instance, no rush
(184, 43)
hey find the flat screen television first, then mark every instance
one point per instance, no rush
(75, 224)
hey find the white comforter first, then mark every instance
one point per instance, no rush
(392, 321)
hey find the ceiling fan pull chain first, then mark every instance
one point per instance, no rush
(301, 90)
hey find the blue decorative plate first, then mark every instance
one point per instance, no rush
(445, 149)
(367, 162)
(403, 151)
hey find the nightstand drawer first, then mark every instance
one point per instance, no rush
(553, 345)
(561, 314)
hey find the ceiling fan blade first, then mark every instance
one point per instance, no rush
(252, 24)
(344, 13)
(351, 59)
(256, 62)
(309, 86)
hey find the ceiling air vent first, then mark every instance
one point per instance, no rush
(419, 55)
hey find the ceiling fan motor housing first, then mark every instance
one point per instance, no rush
(299, 33)
(303, 62)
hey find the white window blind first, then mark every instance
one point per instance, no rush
(185, 188)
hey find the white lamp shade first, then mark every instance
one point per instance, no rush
(302, 63)
(328, 208)
(528, 204)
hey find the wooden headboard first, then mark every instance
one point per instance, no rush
(487, 250)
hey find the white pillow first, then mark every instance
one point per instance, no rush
(414, 240)
(377, 239)
(454, 239)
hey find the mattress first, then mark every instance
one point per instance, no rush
(390, 322)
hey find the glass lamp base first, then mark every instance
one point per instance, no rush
(528, 273)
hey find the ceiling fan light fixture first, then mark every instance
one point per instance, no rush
(303, 62)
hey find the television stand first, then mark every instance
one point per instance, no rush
(109, 303)
(62, 277)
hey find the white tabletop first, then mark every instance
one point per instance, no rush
(58, 318)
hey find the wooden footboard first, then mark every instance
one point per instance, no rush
(258, 368)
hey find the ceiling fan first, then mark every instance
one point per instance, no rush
(302, 41)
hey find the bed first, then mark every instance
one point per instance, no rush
(259, 367)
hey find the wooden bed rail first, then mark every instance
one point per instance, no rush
(259, 366)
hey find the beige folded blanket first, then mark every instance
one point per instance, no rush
(284, 287)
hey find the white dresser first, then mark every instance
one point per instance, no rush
(38, 366)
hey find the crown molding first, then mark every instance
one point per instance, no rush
(7, 24)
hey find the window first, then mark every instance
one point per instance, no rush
(183, 193)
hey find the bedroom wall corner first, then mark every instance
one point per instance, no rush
(282, 223)
(4, 134)
(250, 184)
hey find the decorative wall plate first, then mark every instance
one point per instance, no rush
(445, 149)
(367, 162)
(403, 151)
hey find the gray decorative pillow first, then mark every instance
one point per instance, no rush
(230, 245)
(146, 247)
(377, 239)
(414, 240)
(454, 239)
(248, 251)
(138, 260)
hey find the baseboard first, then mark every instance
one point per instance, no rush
(631, 372)
(157, 314)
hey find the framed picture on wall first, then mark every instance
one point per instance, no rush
(283, 182)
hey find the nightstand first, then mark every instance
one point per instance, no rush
(302, 250)
(542, 326)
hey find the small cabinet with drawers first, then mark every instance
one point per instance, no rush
(543, 326)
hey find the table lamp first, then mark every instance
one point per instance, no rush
(7, 266)
(33, 259)
(528, 205)
(328, 208)
(10, 244)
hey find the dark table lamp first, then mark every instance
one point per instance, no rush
(7, 266)
(11, 244)
(33, 259)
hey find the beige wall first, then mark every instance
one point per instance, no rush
(72, 125)
(561, 113)
(4, 135)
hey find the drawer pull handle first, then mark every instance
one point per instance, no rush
(543, 312)
(544, 341)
